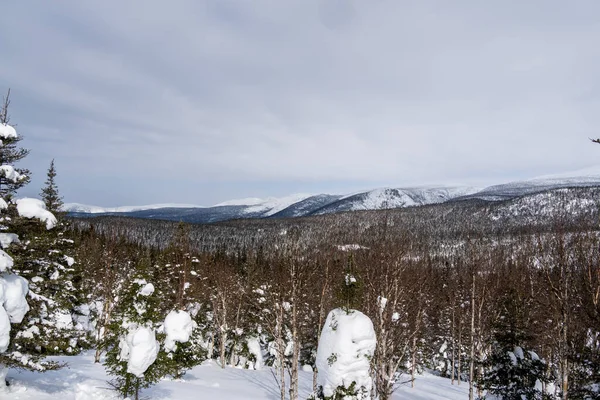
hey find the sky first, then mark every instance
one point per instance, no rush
(199, 102)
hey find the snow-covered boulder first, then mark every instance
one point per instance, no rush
(139, 348)
(178, 327)
(346, 347)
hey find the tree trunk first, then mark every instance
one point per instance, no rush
(452, 373)
(472, 349)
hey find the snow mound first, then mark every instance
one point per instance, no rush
(346, 347)
(7, 132)
(178, 327)
(139, 348)
(34, 208)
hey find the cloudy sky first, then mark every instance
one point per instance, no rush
(199, 101)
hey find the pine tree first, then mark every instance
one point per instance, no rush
(10, 154)
(50, 194)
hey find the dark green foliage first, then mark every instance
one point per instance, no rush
(134, 310)
(350, 290)
(10, 154)
(49, 194)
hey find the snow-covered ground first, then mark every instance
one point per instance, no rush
(84, 380)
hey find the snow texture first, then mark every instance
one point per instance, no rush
(139, 348)
(89, 209)
(254, 349)
(345, 349)
(9, 172)
(178, 328)
(86, 380)
(147, 290)
(7, 132)
(13, 305)
(6, 261)
(35, 208)
(6, 239)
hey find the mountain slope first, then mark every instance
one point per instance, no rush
(299, 205)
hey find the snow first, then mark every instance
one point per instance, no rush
(85, 380)
(147, 290)
(9, 172)
(84, 208)
(4, 330)
(272, 205)
(254, 349)
(70, 261)
(6, 261)
(6, 239)
(13, 305)
(35, 208)
(139, 348)
(13, 292)
(346, 345)
(7, 132)
(178, 328)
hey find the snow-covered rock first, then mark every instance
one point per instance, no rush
(346, 347)
(35, 208)
(178, 328)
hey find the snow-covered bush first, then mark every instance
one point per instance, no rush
(346, 347)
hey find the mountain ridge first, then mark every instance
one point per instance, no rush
(299, 205)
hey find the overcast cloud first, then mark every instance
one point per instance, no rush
(202, 101)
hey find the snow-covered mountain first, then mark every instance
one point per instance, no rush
(299, 205)
(87, 209)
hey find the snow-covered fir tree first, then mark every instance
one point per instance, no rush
(14, 289)
(11, 154)
(184, 341)
(511, 371)
(344, 355)
(134, 357)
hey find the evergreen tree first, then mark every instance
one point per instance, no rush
(513, 373)
(134, 357)
(49, 193)
(13, 303)
(175, 284)
(10, 154)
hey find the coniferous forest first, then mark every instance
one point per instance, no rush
(506, 306)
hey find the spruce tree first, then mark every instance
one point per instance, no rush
(133, 340)
(50, 194)
(14, 309)
(512, 372)
(10, 154)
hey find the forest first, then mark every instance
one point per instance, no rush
(503, 298)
